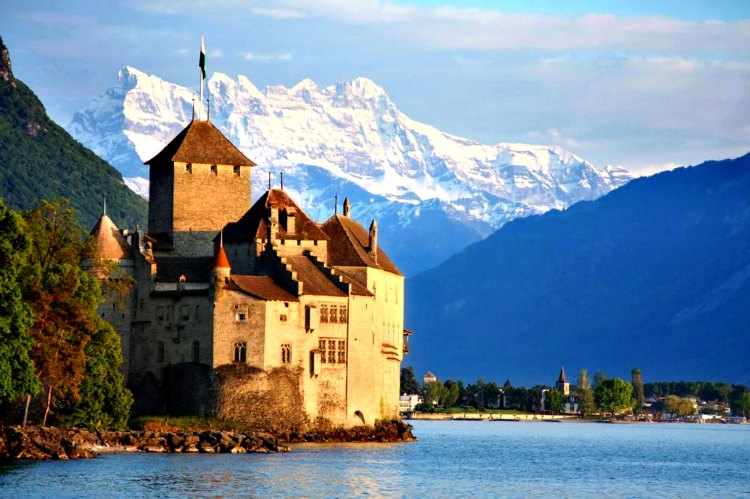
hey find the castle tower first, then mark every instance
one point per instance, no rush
(222, 269)
(199, 182)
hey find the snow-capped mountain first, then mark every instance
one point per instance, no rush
(427, 187)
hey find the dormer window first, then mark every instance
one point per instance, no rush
(189, 168)
(237, 170)
(214, 170)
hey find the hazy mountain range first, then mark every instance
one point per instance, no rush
(426, 187)
(653, 275)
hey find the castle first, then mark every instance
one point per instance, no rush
(241, 310)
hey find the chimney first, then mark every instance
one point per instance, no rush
(290, 219)
(373, 246)
(347, 207)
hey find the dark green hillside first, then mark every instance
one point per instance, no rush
(38, 159)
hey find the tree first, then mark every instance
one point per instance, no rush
(639, 396)
(409, 383)
(744, 404)
(432, 393)
(599, 377)
(613, 395)
(17, 375)
(554, 401)
(452, 393)
(679, 406)
(584, 394)
(104, 401)
(63, 297)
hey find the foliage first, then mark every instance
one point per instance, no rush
(584, 394)
(638, 392)
(599, 378)
(613, 395)
(40, 160)
(679, 406)
(452, 393)
(738, 399)
(705, 390)
(432, 392)
(554, 401)
(104, 401)
(17, 376)
(743, 404)
(409, 383)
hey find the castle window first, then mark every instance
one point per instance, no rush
(322, 348)
(240, 313)
(170, 313)
(189, 168)
(282, 317)
(286, 353)
(324, 313)
(197, 313)
(342, 352)
(343, 315)
(196, 351)
(160, 313)
(160, 352)
(240, 352)
(214, 170)
(331, 351)
(237, 170)
(332, 316)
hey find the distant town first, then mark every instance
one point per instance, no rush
(602, 398)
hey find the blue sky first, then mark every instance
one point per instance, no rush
(639, 84)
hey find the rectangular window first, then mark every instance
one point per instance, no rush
(331, 351)
(214, 170)
(240, 313)
(286, 353)
(237, 170)
(324, 313)
(184, 313)
(189, 168)
(282, 317)
(322, 348)
(342, 352)
(343, 315)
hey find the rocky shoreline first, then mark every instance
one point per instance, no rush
(40, 443)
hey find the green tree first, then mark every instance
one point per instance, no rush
(584, 394)
(743, 405)
(17, 375)
(554, 401)
(432, 393)
(104, 401)
(452, 393)
(638, 392)
(613, 395)
(599, 377)
(679, 406)
(63, 297)
(409, 383)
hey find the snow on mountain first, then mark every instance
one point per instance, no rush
(349, 138)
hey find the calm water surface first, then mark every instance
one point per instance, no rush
(483, 459)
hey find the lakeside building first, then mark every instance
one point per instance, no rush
(237, 309)
(409, 403)
(429, 378)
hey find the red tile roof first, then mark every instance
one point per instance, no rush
(348, 246)
(201, 142)
(262, 287)
(254, 223)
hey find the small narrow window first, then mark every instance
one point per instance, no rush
(214, 170)
(240, 352)
(343, 315)
(240, 313)
(196, 351)
(324, 313)
(286, 353)
(342, 352)
(331, 351)
(322, 349)
(237, 170)
(189, 168)
(332, 316)
(184, 313)
(160, 352)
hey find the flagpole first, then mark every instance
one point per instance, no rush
(202, 65)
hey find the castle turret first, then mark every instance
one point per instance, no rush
(347, 207)
(373, 240)
(222, 269)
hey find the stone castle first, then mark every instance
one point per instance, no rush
(245, 311)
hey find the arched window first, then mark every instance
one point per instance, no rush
(286, 353)
(240, 352)
(196, 351)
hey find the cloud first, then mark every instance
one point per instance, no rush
(648, 170)
(261, 57)
(277, 13)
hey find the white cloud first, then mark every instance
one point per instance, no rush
(261, 57)
(277, 13)
(648, 170)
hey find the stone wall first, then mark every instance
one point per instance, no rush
(160, 198)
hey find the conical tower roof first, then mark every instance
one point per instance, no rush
(110, 244)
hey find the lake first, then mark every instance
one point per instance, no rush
(451, 458)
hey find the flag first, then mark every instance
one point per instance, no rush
(202, 58)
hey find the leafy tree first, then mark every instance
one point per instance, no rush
(613, 395)
(63, 297)
(452, 393)
(432, 393)
(17, 376)
(639, 396)
(104, 401)
(409, 383)
(554, 399)
(744, 404)
(599, 377)
(584, 394)
(679, 406)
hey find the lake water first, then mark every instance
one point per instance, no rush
(451, 459)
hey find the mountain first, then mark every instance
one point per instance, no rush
(38, 159)
(350, 138)
(655, 274)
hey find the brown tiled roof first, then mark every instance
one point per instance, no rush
(110, 244)
(262, 287)
(201, 142)
(315, 282)
(195, 269)
(348, 246)
(253, 224)
(358, 287)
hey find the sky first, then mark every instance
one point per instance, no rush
(646, 85)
